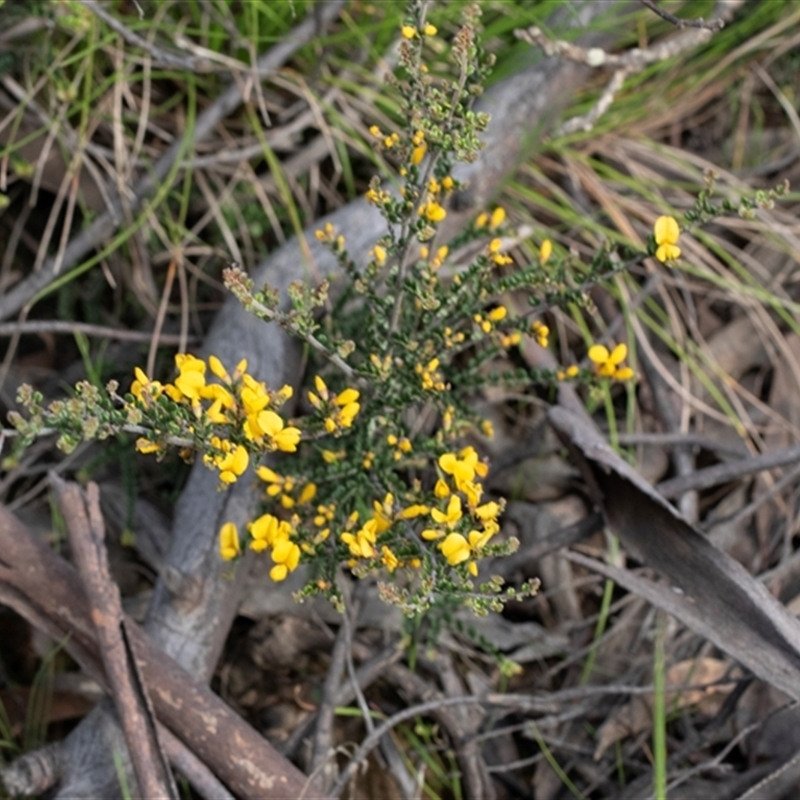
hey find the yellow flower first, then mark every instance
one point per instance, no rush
(379, 254)
(607, 364)
(441, 489)
(408, 31)
(222, 398)
(268, 423)
(412, 512)
(497, 218)
(463, 467)
(360, 543)
(541, 332)
(455, 548)
(275, 481)
(433, 212)
(389, 559)
(216, 366)
(233, 464)
(667, 232)
(383, 514)
(229, 545)
(308, 494)
(253, 395)
(545, 251)
(191, 379)
(345, 406)
(266, 531)
(498, 314)
(143, 388)
(286, 555)
(430, 30)
(451, 516)
(325, 234)
(494, 251)
(430, 376)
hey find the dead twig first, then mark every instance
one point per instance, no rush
(711, 24)
(87, 537)
(631, 61)
(59, 326)
(728, 471)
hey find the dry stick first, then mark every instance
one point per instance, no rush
(679, 439)
(35, 772)
(160, 56)
(722, 473)
(37, 326)
(747, 511)
(712, 24)
(431, 706)
(105, 225)
(87, 537)
(201, 778)
(323, 736)
(241, 757)
(413, 685)
(366, 674)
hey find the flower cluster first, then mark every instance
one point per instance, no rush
(228, 418)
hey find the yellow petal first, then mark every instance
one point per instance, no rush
(268, 476)
(545, 251)
(666, 230)
(278, 573)
(618, 354)
(668, 252)
(346, 397)
(216, 367)
(455, 548)
(497, 218)
(287, 439)
(598, 354)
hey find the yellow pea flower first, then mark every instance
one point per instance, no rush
(667, 232)
(607, 364)
(229, 545)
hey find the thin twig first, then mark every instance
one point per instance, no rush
(161, 57)
(38, 326)
(323, 736)
(631, 61)
(731, 470)
(711, 24)
(371, 741)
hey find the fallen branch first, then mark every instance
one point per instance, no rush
(87, 538)
(216, 735)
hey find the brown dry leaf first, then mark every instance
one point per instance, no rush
(636, 716)
(711, 593)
